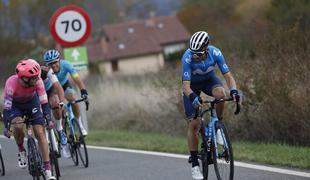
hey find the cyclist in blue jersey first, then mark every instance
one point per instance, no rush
(198, 63)
(61, 68)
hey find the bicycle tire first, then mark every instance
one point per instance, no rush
(72, 145)
(204, 152)
(224, 156)
(53, 156)
(80, 144)
(2, 169)
(34, 165)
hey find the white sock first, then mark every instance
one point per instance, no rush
(59, 125)
(80, 122)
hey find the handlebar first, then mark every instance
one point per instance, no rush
(238, 108)
(80, 100)
(215, 101)
(74, 102)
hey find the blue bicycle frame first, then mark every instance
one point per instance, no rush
(210, 133)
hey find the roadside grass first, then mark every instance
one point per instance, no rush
(272, 154)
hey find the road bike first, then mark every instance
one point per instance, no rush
(54, 151)
(35, 162)
(76, 139)
(216, 147)
(2, 168)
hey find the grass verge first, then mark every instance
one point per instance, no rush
(273, 154)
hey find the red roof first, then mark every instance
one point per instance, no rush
(137, 38)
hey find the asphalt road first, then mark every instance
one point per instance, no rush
(115, 165)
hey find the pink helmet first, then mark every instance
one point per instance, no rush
(28, 68)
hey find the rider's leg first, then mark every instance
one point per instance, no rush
(54, 102)
(43, 146)
(40, 135)
(192, 140)
(19, 138)
(219, 93)
(19, 133)
(75, 107)
(192, 136)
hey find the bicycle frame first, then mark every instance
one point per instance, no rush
(209, 131)
(70, 117)
(69, 114)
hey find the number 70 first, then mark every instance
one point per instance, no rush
(75, 25)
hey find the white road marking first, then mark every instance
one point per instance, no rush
(181, 156)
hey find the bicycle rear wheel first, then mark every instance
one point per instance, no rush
(80, 144)
(223, 155)
(2, 168)
(71, 141)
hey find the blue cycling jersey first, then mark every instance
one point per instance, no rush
(64, 68)
(195, 71)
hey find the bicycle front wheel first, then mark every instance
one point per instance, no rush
(53, 153)
(204, 152)
(80, 144)
(34, 159)
(223, 154)
(2, 168)
(71, 141)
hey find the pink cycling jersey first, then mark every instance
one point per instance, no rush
(15, 92)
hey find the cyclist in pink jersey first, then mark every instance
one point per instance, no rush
(24, 95)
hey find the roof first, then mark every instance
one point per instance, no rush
(137, 38)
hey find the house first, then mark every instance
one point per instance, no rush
(139, 46)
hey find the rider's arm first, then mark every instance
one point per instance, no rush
(231, 83)
(7, 102)
(61, 94)
(186, 79)
(43, 99)
(75, 76)
(186, 74)
(56, 85)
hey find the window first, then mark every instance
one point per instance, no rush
(114, 66)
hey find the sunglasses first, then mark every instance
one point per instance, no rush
(200, 54)
(34, 78)
(52, 63)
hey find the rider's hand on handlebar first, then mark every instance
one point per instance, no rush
(198, 102)
(84, 94)
(235, 95)
(50, 124)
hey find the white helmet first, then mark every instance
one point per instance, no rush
(198, 41)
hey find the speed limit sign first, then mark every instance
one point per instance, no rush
(70, 25)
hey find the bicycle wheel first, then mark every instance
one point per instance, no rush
(71, 141)
(204, 153)
(34, 165)
(2, 168)
(53, 153)
(223, 155)
(80, 144)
